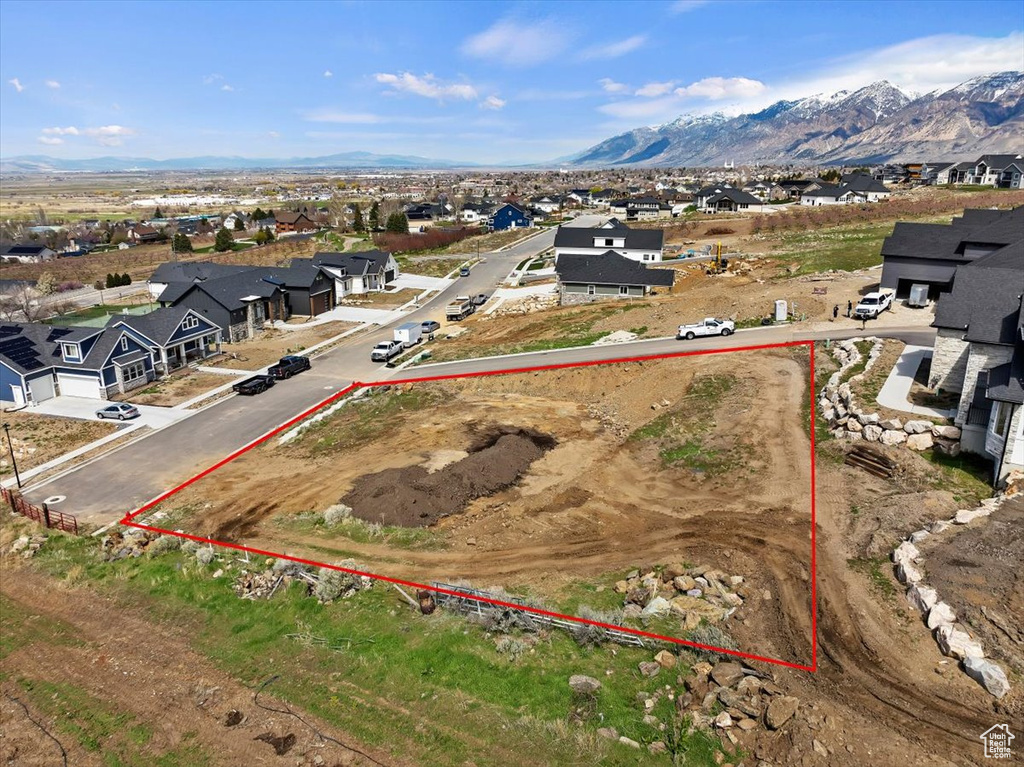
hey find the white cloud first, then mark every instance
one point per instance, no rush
(106, 135)
(333, 116)
(211, 79)
(646, 110)
(17, 84)
(613, 50)
(273, 134)
(328, 73)
(492, 102)
(651, 90)
(685, 6)
(53, 84)
(226, 87)
(718, 88)
(610, 86)
(427, 86)
(50, 140)
(71, 130)
(518, 43)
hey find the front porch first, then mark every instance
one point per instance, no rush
(179, 355)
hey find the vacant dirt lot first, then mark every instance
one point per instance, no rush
(176, 388)
(271, 345)
(40, 438)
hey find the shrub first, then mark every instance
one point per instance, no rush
(717, 230)
(336, 514)
(587, 635)
(204, 555)
(433, 238)
(333, 584)
(707, 634)
(164, 544)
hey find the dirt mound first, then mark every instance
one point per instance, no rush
(411, 496)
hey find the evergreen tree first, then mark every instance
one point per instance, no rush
(239, 226)
(375, 216)
(126, 279)
(181, 243)
(110, 281)
(259, 214)
(398, 223)
(357, 218)
(224, 240)
(158, 213)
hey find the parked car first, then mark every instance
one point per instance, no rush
(289, 366)
(430, 326)
(386, 350)
(120, 411)
(709, 326)
(480, 299)
(254, 385)
(873, 304)
(464, 271)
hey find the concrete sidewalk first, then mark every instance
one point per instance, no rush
(893, 394)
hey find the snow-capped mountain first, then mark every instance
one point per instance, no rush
(876, 123)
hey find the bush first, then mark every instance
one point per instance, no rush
(205, 555)
(717, 230)
(333, 584)
(64, 287)
(164, 544)
(336, 514)
(587, 635)
(433, 238)
(707, 634)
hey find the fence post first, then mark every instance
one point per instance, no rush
(46, 516)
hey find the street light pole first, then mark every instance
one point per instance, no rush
(10, 446)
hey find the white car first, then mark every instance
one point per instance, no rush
(709, 326)
(873, 304)
(385, 350)
(120, 411)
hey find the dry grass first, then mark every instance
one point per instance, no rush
(269, 347)
(40, 438)
(176, 388)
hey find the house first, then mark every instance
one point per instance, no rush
(176, 336)
(308, 290)
(235, 217)
(634, 244)
(929, 254)
(604, 197)
(509, 216)
(188, 272)
(356, 273)
(580, 196)
(725, 198)
(38, 362)
(583, 278)
(293, 223)
(979, 354)
(758, 189)
(141, 233)
(870, 188)
(474, 213)
(936, 173)
(27, 254)
(796, 188)
(641, 209)
(853, 188)
(239, 304)
(548, 203)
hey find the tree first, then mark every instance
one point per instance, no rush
(270, 234)
(181, 243)
(357, 218)
(258, 215)
(126, 279)
(111, 282)
(375, 216)
(832, 175)
(46, 284)
(158, 213)
(239, 226)
(398, 223)
(224, 240)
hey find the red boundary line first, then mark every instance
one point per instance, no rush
(128, 519)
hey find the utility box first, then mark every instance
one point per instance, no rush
(781, 310)
(918, 296)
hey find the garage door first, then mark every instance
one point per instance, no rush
(321, 303)
(42, 388)
(78, 386)
(389, 275)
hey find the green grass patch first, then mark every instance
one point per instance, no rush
(235, 247)
(878, 571)
(967, 476)
(864, 347)
(21, 627)
(391, 668)
(844, 248)
(360, 531)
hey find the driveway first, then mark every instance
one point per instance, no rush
(85, 409)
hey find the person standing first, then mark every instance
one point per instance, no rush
(849, 308)
(835, 312)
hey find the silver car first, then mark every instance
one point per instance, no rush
(119, 410)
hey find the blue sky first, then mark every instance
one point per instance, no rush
(474, 81)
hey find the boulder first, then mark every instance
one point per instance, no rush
(923, 598)
(919, 535)
(867, 418)
(723, 720)
(657, 606)
(906, 552)
(952, 449)
(584, 685)
(746, 724)
(893, 437)
(780, 711)
(894, 424)
(649, 668)
(969, 515)
(631, 612)
(628, 742)
(917, 427)
(908, 574)
(855, 426)
(727, 673)
(608, 732)
(672, 571)
(957, 644)
(666, 660)
(941, 615)
(828, 413)
(940, 526)
(872, 433)
(988, 675)
(920, 441)
(621, 587)
(684, 583)
(946, 432)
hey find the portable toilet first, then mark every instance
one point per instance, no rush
(781, 311)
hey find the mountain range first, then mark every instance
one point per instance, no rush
(878, 123)
(354, 160)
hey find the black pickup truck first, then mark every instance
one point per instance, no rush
(288, 366)
(254, 385)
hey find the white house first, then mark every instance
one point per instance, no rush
(636, 244)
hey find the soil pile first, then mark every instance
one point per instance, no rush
(413, 497)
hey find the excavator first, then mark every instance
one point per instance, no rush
(719, 264)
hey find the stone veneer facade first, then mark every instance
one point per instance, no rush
(949, 360)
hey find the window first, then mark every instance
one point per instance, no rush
(70, 351)
(133, 372)
(1001, 419)
(591, 290)
(609, 242)
(124, 343)
(623, 290)
(191, 321)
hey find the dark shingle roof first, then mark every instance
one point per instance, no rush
(738, 196)
(1007, 228)
(862, 182)
(188, 271)
(636, 239)
(158, 326)
(356, 264)
(1006, 382)
(923, 241)
(610, 268)
(986, 298)
(30, 346)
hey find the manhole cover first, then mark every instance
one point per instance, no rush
(54, 499)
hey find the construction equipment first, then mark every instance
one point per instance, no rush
(719, 265)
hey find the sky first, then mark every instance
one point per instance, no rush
(469, 81)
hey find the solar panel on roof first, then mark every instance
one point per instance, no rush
(58, 333)
(9, 330)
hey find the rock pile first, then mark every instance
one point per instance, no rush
(28, 545)
(133, 542)
(690, 593)
(953, 638)
(848, 421)
(525, 305)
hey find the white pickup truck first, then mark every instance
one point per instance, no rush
(708, 326)
(873, 304)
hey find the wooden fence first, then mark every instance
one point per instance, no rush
(45, 516)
